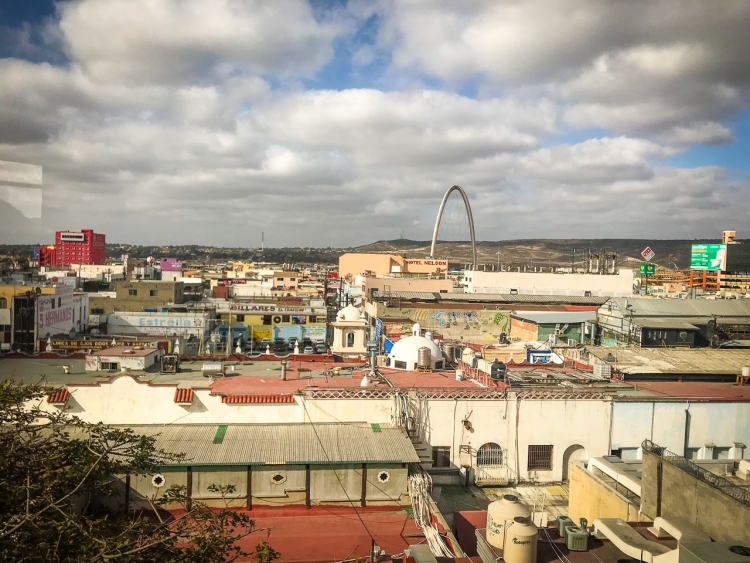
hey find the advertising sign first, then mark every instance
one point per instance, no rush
(79, 346)
(711, 257)
(426, 266)
(164, 324)
(647, 269)
(648, 254)
(55, 312)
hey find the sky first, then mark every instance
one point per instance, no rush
(341, 123)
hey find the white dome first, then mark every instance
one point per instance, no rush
(406, 350)
(349, 313)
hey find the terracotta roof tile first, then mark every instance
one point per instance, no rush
(248, 399)
(59, 396)
(183, 396)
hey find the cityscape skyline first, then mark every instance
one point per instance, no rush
(211, 122)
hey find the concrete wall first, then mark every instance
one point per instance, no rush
(328, 485)
(592, 498)
(351, 264)
(523, 330)
(407, 284)
(684, 496)
(663, 422)
(538, 283)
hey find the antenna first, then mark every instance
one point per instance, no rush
(262, 241)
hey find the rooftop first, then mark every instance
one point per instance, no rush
(136, 351)
(263, 444)
(636, 360)
(645, 307)
(490, 297)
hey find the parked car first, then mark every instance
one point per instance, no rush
(309, 350)
(293, 341)
(320, 348)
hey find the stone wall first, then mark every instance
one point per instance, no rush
(592, 498)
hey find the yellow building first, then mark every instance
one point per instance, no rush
(18, 296)
(271, 320)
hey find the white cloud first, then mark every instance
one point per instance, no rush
(188, 121)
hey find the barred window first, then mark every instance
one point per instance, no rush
(490, 454)
(540, 458)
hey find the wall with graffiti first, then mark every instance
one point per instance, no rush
(476, 325)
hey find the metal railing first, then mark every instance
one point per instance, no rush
(739, 494)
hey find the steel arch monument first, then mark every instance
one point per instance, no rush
(461, 191)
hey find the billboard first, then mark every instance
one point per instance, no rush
(55, 313)
(711, 257)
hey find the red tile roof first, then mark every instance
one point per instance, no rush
(59, 396)
(247, 399)
(183, 396)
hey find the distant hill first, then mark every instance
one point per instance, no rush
(671, 254)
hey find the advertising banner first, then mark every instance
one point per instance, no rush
(711, 257)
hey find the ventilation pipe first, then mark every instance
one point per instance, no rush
(283, 371)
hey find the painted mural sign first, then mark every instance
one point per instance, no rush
(426, 266)
(72, 346)
(55, 312)
(156, 324)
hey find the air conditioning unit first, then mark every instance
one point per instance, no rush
(714, 552)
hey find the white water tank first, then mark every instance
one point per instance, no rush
(500, 514)
(459, 375)
(520, 541)
(746, 372)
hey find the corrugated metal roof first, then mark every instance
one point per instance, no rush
(419, 295)
(573, 317)
(521, 298)
(273, 444)
(645, 307)
(675, 360)
(660, 322)
(496, 298)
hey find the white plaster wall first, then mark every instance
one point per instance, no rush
(619, 285)
(663, 423)
(541, 422)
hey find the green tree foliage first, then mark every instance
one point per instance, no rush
(56, 469)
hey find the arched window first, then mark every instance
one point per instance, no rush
(490, 454)
(350, 340)
(3, 303)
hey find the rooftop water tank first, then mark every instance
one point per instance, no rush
(423, 357)
(520, 541)
(746, 372)
(428, 335)
(500, 514)
(448, 351)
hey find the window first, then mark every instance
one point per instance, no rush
(350, 340)
(267, 320)
(285, 318)
(132, 292)
(240, 318)
(59, 302)
(96, 311)
(3, 303)
(384, 476)
(278, 478)
(280, 279)
(313, 319)
(441, 456)
(490, 454)
(153, 292)
(399, 364)
(540, 458)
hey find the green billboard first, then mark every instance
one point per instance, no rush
(708, 257)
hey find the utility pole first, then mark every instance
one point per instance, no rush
(498, 259)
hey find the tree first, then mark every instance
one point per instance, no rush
(54, 468)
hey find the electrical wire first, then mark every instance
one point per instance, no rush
(343, 488)
(420, 485)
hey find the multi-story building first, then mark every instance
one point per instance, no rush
(82, 247)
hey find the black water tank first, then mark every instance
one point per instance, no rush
(497, 370)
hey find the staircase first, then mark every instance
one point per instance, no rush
(423, 449)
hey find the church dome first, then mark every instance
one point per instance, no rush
(349, 313)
